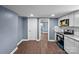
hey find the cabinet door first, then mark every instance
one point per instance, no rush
(76, 47)
(76, 19)
(66, 44)
(71, 19)
(69, 45)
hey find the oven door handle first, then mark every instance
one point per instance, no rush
(59, 36)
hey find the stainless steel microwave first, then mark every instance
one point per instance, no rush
(64, 22)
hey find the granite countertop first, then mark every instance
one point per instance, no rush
(75, 37)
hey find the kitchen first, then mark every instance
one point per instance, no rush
(68, 32)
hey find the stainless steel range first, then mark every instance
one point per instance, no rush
(60, 40)
(60, 37)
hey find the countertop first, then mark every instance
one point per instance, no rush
(75, 37)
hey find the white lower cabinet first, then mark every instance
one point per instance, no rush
(71, 46)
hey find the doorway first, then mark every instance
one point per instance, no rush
(43, 27)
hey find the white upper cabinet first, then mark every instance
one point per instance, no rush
(76, 19)
(71, 19)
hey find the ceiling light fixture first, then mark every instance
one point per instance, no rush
(53, 15)
(31, 15)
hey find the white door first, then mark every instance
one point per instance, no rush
(32, 29)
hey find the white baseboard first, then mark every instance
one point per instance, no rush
(14, 50)
(22, 41)
(44, 32)
(52, 40)
(18, 44)
(38, 40)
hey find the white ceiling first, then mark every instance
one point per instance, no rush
(42, 10)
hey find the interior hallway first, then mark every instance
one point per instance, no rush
(39, 47)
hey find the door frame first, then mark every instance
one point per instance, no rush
(48, 28)
(39, 30)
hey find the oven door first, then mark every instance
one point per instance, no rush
(60, 41)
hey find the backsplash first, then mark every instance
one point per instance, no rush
(76, 29)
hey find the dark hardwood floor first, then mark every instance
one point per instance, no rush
(39, 47)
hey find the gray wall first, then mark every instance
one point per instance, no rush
(37, 28)
(53, 22)
(25, 27)
(20, 28)
(8, 30)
